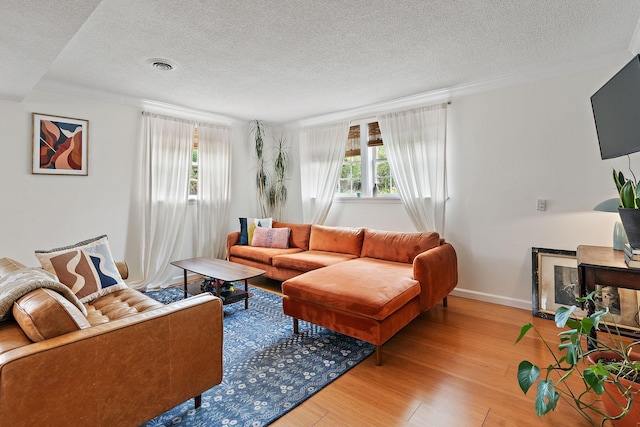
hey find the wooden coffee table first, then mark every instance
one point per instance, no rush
(221, 271)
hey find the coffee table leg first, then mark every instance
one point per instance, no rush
(246, 298)
(185, 284)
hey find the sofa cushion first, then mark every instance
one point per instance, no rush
(86, 267)
(44, 314)
(310, 260)
(15, 285)
(364, 286)
(336, 239)
(271, 237)
(12, 336)
(7, 265)
(300, 233)
(397, 246)
(262, 255)
(118, 305)
(247, 225)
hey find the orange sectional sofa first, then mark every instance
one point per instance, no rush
(364, 283)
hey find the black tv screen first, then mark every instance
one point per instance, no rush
(616, 111)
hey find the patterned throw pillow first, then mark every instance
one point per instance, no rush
(271, 237)
(247, 225)
(86, 267)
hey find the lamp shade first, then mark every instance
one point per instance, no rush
(609, 205)
(619, 235)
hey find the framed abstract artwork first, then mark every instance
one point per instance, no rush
(60, 145)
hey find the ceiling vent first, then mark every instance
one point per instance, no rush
(161, 64)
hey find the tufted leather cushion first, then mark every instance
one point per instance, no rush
(44, 313)
(119, 304)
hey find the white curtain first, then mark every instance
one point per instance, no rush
(415, 143)
(161, 195)
(321, 155)
(214, 191)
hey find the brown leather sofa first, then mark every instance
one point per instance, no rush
(364, 283)
(129, 360)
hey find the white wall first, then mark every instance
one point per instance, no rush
(47, 211)
(507, 148)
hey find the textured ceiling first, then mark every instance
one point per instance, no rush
(284, 60)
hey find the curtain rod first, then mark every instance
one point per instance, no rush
(359, 119)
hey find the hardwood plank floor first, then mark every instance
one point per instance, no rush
(453, 366)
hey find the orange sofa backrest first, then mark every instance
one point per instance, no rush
(299, 236)
(336, 239)
(397, 245)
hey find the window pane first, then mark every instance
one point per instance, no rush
(383, 173)
(349, 182)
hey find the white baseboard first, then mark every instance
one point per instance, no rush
(492, 298)
(457, 292)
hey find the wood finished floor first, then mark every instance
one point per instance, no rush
(453, 366)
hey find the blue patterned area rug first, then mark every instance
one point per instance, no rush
(268, 370)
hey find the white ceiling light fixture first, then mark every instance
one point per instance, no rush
(161, 64)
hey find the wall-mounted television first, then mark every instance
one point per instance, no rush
(616, 111)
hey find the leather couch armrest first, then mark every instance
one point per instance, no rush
(437, 272)
(126, 371)
(123, 269)
(233, 238)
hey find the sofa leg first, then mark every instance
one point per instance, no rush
(295, 326)
(378, 355)
(444, 302)
(198, 401)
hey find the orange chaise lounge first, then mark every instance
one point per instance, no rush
(364, 283)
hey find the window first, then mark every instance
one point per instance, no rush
(193, 178)
(350, 182)
(365, 163)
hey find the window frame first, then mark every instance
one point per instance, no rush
(368, 163)
(194, 165)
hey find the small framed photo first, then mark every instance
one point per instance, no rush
(60, 145)
(555, 282)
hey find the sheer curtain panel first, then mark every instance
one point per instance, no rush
(415, 143)
(214, 191)
(321, 155)
(161, 195)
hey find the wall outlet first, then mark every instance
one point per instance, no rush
(542, 205)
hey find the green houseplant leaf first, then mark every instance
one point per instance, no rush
(528, 373)
(627, 190)
(563, 314)
(546, 397)
(594, 380)
(628, 195)
(605, 361)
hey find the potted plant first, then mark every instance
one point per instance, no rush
(629, 207)
(607, 370)
(277, 195)
(262, 177)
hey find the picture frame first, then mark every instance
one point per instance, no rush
(555, 282)
(59, 145)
